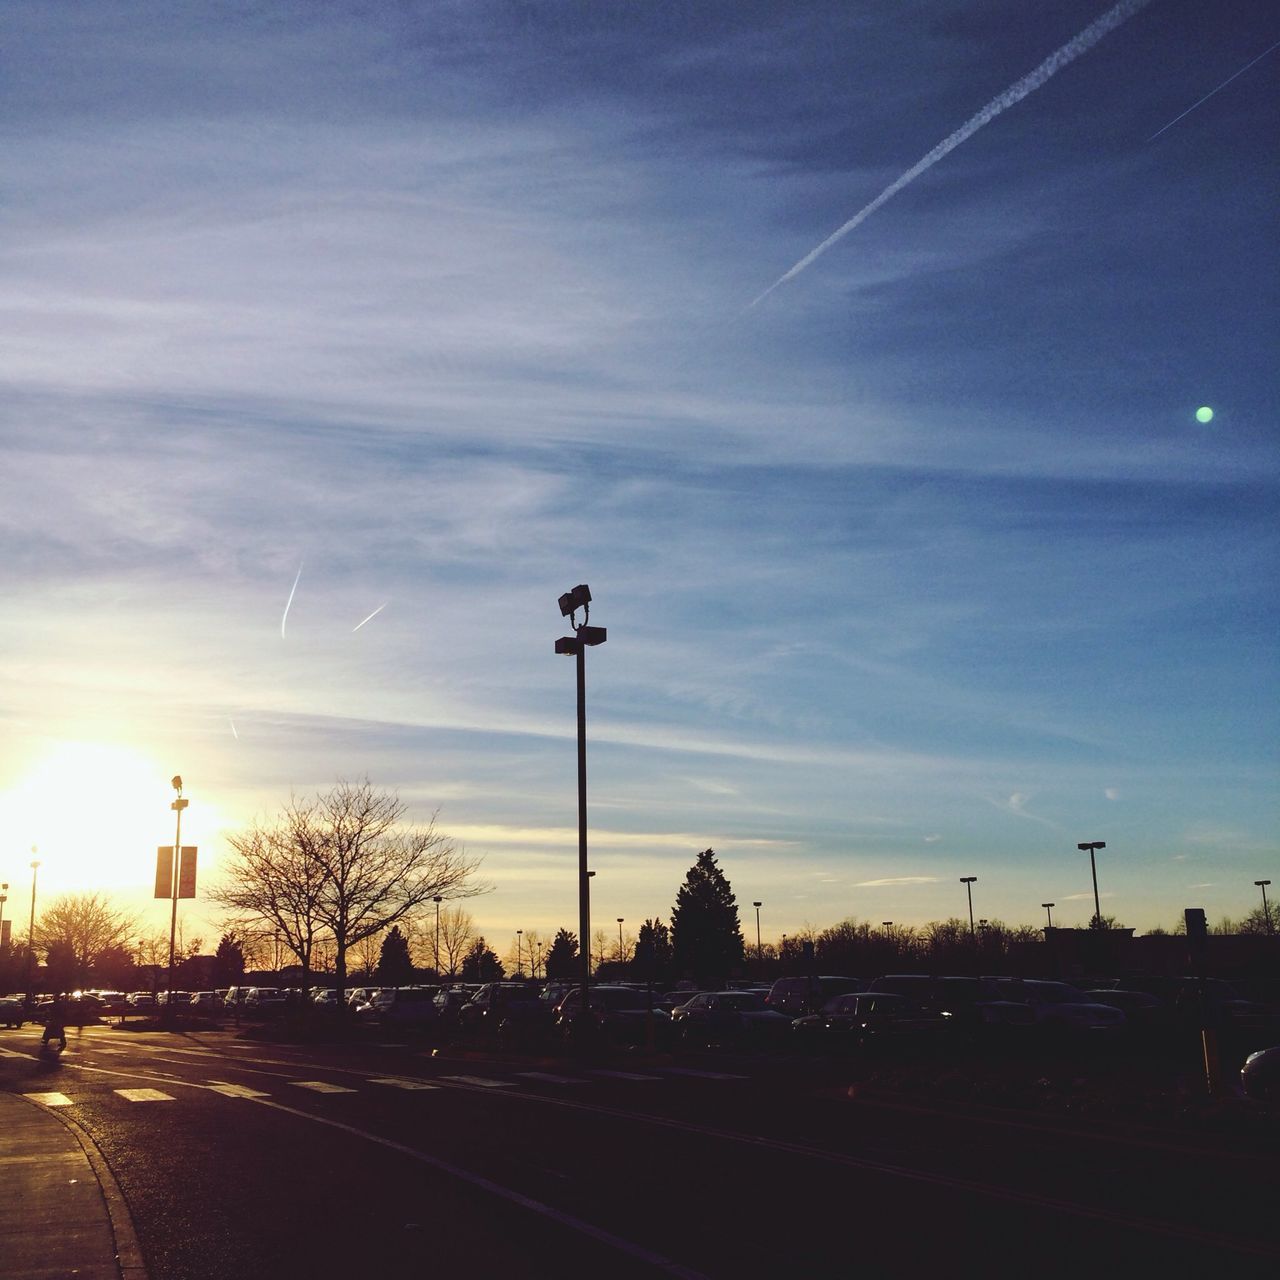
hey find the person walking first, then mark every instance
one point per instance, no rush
(56, 1024)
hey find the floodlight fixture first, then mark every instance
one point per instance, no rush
(1091, 846)
(968, 882)
(578, 598)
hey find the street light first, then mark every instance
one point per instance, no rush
(968, 882)
(31, 935)
(1262, 884)
(1092, 846)
(621, 955)
(759, 949)
(576, 646)
(4, 897)
(437, 900)
(177, 806)
(519, 939)
(1048, 910)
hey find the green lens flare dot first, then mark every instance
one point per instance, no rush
(1204, 414)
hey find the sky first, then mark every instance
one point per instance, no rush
(921, 565)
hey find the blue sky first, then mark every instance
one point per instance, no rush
(923, 567)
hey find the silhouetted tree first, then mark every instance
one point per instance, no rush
(228, 967)
(653, 951)
(562, 959)
(62, 967)
(114, 968)
(395, 966)
(480, 964)
(706, 938)
(86, 924)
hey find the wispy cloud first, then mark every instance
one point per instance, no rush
(892, 880)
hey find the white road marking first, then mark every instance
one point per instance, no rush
(701, 1075)
(399, 1082)
(143, 1095)
(321, 1086)
(550, 1077)
(482, 1081)
(621, 1075)
(49, 1099)
(236, 1090)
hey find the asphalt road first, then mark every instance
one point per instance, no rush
(245, 1159)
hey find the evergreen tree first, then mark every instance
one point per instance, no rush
(653, 951)
(562, 959)
(228, 959)
(480, 964)
(706, 938)
(395, 965)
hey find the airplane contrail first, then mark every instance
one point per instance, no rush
(285, 616)
(374, 614)
(1211, 92)
(1029, 83)
(234, 734)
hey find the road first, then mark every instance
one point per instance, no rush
(241, 1159)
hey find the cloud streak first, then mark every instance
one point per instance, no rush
(1211, 92)
(284, 617)
(1029, 83)
(891, 880)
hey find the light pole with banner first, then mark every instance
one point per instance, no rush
(31, 934)
(175, 878)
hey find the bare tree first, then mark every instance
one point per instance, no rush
(273, 879)
(457, 933)
(343, 865)
(85, 924)
(535, 949)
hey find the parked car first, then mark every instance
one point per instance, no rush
(450, 1003)
(1260, 1075)
(1142, 1010)
(798, 996)
(615, 1013)
(206, 1002)
(1058, 1006)
(265, 1000)
(497, 1004)
(976, 1004)
(406, 1006)
(859, 1020)
(141, 1000)
(13, 1012)
(727, 1017)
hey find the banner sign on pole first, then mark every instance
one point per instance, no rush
(5, 929)
(186, 872)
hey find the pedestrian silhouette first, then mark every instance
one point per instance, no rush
(55, 1024)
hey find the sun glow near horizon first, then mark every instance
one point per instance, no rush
(95, 812)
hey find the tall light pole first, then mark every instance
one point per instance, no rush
(437, 900)
(31, 934)
(759, 949)
(519, 940)
(1093, 846)
(621, 956)
(177, 806)
(576, 646)
(967, 881)
(4, 897)
(1048, 910)
(1262, 884)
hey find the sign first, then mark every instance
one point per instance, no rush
(5, 929)
(186, 872)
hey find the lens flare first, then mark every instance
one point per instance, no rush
(1204, 414)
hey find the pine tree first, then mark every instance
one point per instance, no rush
(562, 959)
(653, 951)
(480, 964)
(228, 960)
(395, 966)
(706, 937)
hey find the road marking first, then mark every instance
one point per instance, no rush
(49, 1099)
(482, 1081)
(236, 1090)
(550, 1077)
(320, 1086)
(401, 1083)
(143, 1095)
(701, 1075)
(621, 1075)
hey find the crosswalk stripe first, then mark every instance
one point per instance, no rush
(321, 1086)
(482, 1081)
(550, 1077)
(402, 1083)
(143, 1095)
(701, 1075)
(49, 1099)
(621, 1075)
(235, 1090)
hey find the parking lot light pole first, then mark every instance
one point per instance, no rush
(177, 806)
(437, 900)
(1093, 846)
(1048, 910)
(519, 940)
(4, 897)
(621, 956)
(31, 935)
(576, 646)
(759, 949)
(1262, 884)
(967, 881)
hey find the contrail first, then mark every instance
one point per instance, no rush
(234, 734)
(374, 614)
(285, 617)
(1211, 92)
(1029, 83)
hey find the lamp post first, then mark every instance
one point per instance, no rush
(621, 956)
(1048, 910)
(437, 900)
(759, 949)
(1262, 884)
(967, 881)
(31, 934)
(4, 897)
(177, 806)
(576, 646)
(1093, 846)
(519, 940)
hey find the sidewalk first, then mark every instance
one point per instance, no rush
(61, 1213)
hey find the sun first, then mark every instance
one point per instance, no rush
(95, 813)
